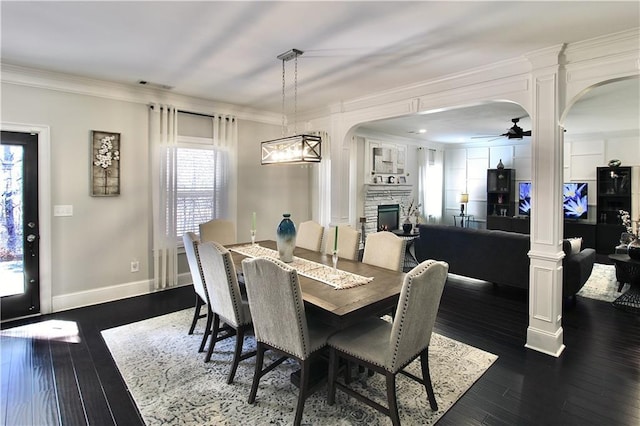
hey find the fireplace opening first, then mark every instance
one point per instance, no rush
(388, 217)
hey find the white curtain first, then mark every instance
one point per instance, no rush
(430, 179)
(225, 138)
(163, 133)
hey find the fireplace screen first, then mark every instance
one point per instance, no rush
(388, 217)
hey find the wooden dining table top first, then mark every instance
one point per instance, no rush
(342, 307)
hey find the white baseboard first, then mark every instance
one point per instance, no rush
(109, 294)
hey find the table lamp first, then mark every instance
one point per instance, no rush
(464, 199)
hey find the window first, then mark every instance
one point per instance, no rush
(201, 185)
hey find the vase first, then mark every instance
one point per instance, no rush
(406, 227)
(500, 166)
(286, 238)
(633, 249)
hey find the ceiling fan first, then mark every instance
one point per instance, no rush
(514, 132)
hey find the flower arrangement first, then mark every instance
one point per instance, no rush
(625, 217)
(106, 154)
(411, 210)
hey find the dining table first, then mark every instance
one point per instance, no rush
(338, 307)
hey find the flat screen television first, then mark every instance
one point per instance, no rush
(574, 200)
(524, 198)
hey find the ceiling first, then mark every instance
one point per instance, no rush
(226, 51)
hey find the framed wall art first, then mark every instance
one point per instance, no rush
(105, 164)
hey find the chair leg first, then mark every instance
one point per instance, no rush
(302, 395)
(212, 337)
(257, 372)
(333, 372)
(391, 399)
(426, 378)
(207, 329)
(236, 354)
(196, 313)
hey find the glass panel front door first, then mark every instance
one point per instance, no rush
(19, 260)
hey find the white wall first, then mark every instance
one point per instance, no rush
(92, 250)
(269, 190)
(467, 165)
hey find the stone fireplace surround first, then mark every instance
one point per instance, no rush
(375, 195)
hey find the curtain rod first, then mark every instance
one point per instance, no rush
(200, 114)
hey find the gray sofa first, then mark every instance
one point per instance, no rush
(499, 257)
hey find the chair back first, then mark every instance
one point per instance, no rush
(348, 242)
(384, 249)
(416, 313)
(191, 242)
(309, 235)
(218, 230)
(276, 305)
(221, 282)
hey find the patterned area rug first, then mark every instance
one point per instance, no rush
(602, 284)
(171, 384)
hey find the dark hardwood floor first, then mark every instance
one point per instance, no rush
(596, 381)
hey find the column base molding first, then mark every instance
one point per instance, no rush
(545, 342)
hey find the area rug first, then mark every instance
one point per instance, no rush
(171, 384)
(602, 284)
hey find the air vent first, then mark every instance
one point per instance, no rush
(154, 85)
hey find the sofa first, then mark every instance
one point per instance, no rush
(499, 257)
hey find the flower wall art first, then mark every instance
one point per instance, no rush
(105, 164)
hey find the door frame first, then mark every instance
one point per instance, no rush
(44, 207)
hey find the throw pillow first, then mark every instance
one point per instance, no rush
(576, 245)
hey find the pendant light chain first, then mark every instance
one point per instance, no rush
(283, 83)
(295, 98)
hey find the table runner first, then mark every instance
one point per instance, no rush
(308, 268)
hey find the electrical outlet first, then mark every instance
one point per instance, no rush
(135, 266)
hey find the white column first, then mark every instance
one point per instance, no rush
(545, 333)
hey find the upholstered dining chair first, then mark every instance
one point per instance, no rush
(226, 302)
(191, 242)
(309, 235)
(387, 348)
(384, 249)
(218, 230)
(280, 323)
(348, 241)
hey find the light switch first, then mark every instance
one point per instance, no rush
(63, 210)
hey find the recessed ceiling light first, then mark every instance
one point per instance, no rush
(421, 131)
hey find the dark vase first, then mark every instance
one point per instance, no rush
(633, 249)
(286, 238)
(406, 227)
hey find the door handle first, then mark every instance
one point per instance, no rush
(31, 238)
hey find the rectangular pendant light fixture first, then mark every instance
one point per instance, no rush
(297, 149)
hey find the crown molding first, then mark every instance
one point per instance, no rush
(43, 79)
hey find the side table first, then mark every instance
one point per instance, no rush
(410, 260)
(627, 271)
(462, 221)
